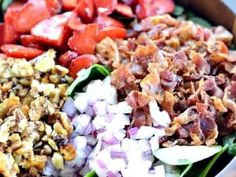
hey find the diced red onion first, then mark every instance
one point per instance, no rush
(111, 141)
(132, 132)
(145, 132)
(90, 111)
(159, 117)
(100, 108)
(111, 174)
(81, 123)
(99, 122)
(69, 108)
(118, 154)
(119, 121)
(89, 129)
(121, 107)
(81, 102)
(101, 164)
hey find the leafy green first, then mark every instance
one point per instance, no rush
(91, 174)
(213, 161)
(200, 21)
(5, 4)
(185, 155)
(230, 141)
(233, 47)
(85, 76)
(179, 10)
(190, 14)
(186, 170)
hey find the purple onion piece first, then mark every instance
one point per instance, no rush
(69, 108)
(133, 131)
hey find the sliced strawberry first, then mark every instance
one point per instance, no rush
(105, 7)
(66, 58)
(18, 51)
(53, 31)
(1, 33)
(112, 32)
(11, 35)
(84, 41)
(30, 41)
(147, 8)
(69, 4)
(75, 23)
(81, 62)
(31, 13)
(124, 10)
(85, 10)
(104, 21)
(54, 6)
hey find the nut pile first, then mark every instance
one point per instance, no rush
(32, 128)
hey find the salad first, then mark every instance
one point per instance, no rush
(127, 90)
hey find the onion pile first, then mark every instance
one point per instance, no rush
(103, 138)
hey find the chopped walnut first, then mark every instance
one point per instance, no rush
(31, 96)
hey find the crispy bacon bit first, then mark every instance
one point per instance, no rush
(180, 60)
(212, 88)
(137, 99)
(108, 50)
(169, 102)
(201, 63)
(187, 69)
(123, 79)
(169, 80)
(151, 83)
(141, 117)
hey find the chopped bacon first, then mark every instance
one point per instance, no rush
(140, 117)
(123, 79)
(186, 68)
(169, 79)
(109, 52)
(212, 88)
(137, 99)
(201, 63)
(180, 60)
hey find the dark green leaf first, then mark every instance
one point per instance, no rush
(230, 141)
(5, 4)
(200, 21)
(186, 170)
(233, 47)
(232, 149)
(213, 161)
(85, 76)
(179, 10)
(91, 174)
(190, 14)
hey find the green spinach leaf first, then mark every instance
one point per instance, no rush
(230, 141)
(186, 170)
(85, 76)
(213, 161)
(179, 10)
(200, 21)
(5, 4)
(91, 174)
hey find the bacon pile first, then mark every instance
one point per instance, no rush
(186, 68)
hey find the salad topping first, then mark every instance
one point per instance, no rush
(33, 128)
(102, 139)
(182, 66)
